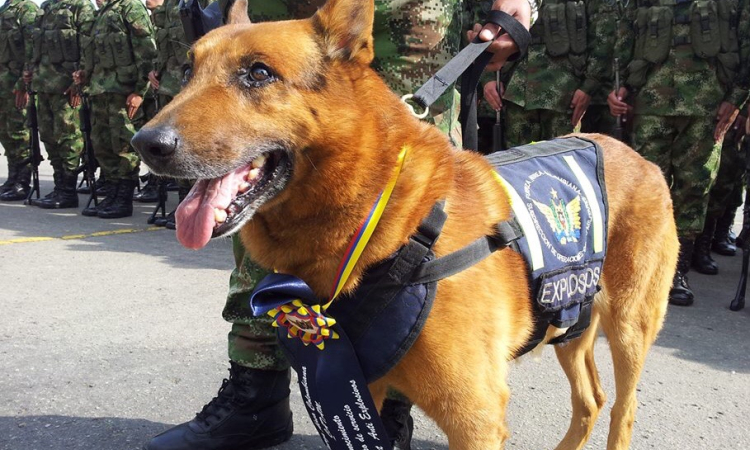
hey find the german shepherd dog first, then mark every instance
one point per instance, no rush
(292, 136)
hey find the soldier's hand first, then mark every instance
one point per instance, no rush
(79, 77)
(616, 102)
(503, 47)
(27, 76)
(22, 99)
(579, 105)
(133, 103)
(153, 78)
(724, 116)
(74, 99)
(740, 128)
(493, 97)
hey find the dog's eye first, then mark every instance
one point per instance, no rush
(187, 75)
(257, 75)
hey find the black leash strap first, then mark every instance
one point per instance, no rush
(470, 80)
(473, 55)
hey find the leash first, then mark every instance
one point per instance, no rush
(470, 62)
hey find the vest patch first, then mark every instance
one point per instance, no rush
(558, 200)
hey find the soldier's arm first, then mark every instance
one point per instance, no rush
(625, 36)
(27, 20)
(601, 34)
(142, 42)
(743, 35)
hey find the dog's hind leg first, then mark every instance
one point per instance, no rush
(587, 396)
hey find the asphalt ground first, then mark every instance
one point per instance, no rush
(111, 332)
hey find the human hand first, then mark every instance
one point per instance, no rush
(616, 102)
(133, 103)
(724, 116)
(79, 77)
(493, 97)
(503, 47)
(28, 75)
(579, 104)
(22, 99)
(153, 78)
(74, 98)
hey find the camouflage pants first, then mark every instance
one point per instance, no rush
(13, 133)
(726, 194)
(598, 120)
(111, 132)
(523, 126)
(684, 149)
(59, 130)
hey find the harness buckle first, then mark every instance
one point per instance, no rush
(421, 115)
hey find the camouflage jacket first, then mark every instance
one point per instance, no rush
(412, 39)
(17, 18)
(60, 31)
(559, 63)
(172, 47)
(667, 70)
(743, 33)
(121, 51)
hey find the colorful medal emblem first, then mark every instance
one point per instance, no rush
(563, 217)
(305, 322)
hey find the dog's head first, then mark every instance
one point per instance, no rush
(254, 107)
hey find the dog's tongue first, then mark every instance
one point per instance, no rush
(196, 216)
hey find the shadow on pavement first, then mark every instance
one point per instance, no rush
(112, 433)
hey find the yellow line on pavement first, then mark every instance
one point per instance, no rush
(79, 236)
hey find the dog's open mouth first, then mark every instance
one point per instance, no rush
(220, 206)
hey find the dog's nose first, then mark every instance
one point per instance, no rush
(158, 142)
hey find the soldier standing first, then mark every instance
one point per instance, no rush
(551, 88)
(61, 29)
(17, 18)
(680, 62)
(171, 62)
(117, 62)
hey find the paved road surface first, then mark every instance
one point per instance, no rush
(107, 339)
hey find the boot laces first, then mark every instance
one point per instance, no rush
(225, 401)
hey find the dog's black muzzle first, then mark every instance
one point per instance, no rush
(157, 146)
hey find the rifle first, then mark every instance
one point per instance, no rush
(161, 182)
(743, 240)
(498, 135)
(89, 160)
(35, 156)
(617, 133)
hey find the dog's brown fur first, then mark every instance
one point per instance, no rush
(345, 130)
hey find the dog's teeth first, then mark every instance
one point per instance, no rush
(259, 161)
(243, 187)
(253, 174)
(220, 215)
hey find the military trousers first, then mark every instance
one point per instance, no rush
(111, 132)
(60, 131)
(523, 126)
(598, 120)
(14, 136)
(684, 149)
(726, 193)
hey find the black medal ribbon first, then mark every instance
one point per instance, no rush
(333, 387)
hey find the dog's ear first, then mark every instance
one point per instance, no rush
(238, 13)
(346, 28)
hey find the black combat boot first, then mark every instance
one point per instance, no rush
(20, 188)
(122, 206)
(102, 186)
(250, 412)
(723, 244)
(12, 172)
(398, 423)
(110, 192)
(702, 261)
(53, 194)
(150, 192)
(64, 195)
(681, 294)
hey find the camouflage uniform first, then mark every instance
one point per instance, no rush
(118, 60)
(63, 25)
(537, 97)
(412, 41)
(17, 18)
(676, 93)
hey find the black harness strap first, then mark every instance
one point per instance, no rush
(507, 232)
